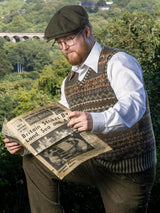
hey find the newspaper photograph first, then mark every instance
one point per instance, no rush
(45, 134)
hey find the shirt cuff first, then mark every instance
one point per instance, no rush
(98, 122)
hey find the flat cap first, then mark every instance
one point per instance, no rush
(66, 21)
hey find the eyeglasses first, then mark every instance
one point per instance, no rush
(68, 41)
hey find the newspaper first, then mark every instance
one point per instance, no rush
(45, 134)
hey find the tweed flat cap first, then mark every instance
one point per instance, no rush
(69, 19)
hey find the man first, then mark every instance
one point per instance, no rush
(106, 95)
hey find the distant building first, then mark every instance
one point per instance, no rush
(89, 4)
(106, 7)
(92, 5)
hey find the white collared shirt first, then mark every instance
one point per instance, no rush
(125, 76)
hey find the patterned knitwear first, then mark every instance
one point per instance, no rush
(133, 149)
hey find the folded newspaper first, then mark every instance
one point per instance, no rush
(45, 134)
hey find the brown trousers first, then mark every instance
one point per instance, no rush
(122, 193)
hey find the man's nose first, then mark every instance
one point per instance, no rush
(64, 46)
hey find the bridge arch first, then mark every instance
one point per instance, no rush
(16, 37)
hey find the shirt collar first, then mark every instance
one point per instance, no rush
(92, 59)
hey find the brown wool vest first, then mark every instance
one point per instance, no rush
(133, 149)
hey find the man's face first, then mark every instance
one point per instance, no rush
(77, 53)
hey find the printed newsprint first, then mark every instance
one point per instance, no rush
(45, 134)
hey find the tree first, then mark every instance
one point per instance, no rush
(137, 33)
(5, 65)
(52, 76)
(32, 55)
(18, 24)
(29, 100)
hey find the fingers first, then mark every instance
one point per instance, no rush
(6, 140)
(13, 147)
(82, 121)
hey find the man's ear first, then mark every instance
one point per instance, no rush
(87, 32)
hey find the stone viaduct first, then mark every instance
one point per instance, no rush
(15, 37)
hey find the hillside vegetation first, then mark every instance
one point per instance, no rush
(130, 25)
(33, 15)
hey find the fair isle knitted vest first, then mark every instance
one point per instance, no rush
(133, 149)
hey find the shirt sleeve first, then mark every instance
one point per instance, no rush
(125, 76)
(63, 100)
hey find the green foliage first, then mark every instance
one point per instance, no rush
(28, 16)
(137, 33)
(12, 183)
(33, 16)
(2, 41)
(29, 100)
(18, 24)
(78, 195)
(32, 55)
(7, 104)
(129, 25)
(20, 77)
(52, 76)
(138, 5)
(5, 65)
(152, 79)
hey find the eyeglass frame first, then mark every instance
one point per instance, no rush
(65, 40)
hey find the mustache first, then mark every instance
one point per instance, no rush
(67, 52)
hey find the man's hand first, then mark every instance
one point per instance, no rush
(13, 147)
(82, 121)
